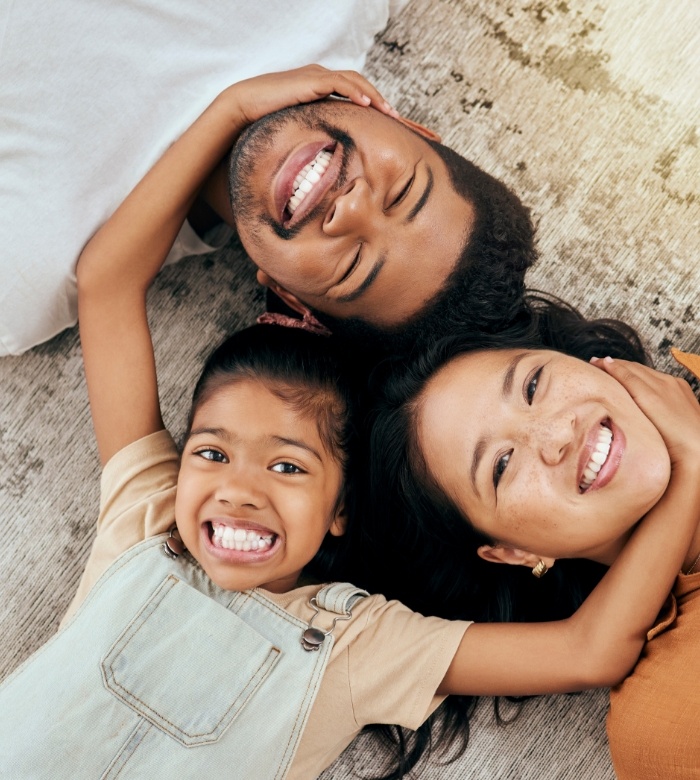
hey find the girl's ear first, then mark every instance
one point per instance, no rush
(512, 556)
(340, 522)
(426, 132)
(289, 298)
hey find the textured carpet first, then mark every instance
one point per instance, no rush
(589, 110)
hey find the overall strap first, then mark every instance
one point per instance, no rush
(339, 597)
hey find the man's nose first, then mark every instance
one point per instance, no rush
(554, 436)
(353, 211)
(239, 486)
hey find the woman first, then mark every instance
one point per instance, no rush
(516, 450)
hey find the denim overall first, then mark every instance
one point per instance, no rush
(161, 674)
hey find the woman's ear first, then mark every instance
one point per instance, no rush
(512, 556)
(426, 132)
(289, 298)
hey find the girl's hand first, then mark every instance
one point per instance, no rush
(666, 400)
(261, 95)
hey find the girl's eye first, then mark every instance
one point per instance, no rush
(531, 388)
(500, 466)
(210, 454)
(287, 468)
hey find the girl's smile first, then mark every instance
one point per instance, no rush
(257, 490)
(541, 451)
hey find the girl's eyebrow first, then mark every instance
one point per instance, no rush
(296, 443)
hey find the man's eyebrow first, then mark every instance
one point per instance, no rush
(296, 443)
(368, 281)
(509, 376)
(413, 213)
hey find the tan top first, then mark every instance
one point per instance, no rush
(386, 664)
(654, 719)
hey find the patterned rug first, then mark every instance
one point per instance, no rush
(589, 109)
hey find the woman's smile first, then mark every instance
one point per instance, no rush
(560, 460)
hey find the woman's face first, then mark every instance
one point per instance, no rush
(541, 451)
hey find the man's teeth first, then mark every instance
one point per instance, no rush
(306, 178)
(598, 457)
(240, 539)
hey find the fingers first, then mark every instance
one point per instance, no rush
(354, 86)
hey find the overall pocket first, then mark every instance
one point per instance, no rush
(187, 664)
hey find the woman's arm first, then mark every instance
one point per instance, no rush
(601, 642)
(119, 263)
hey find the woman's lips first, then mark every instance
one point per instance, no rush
(284, 181)
(612, 462)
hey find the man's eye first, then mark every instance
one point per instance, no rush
(210, 454)
(531, 388)
(287, 468)
(500, 466)
(403, 192)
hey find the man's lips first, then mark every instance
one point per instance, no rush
(612, 462)
(283, 183)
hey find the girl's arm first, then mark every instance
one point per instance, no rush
(601, 642)
(119, 263)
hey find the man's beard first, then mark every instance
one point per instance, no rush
(260, 137)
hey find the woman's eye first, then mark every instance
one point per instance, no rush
(209, 454)
(287, 468)
(500, 466)
(531, 388)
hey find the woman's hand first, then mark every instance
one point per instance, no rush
(261, 95)
(668, 401)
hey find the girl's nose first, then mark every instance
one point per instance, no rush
(352, 211)
(239, 487)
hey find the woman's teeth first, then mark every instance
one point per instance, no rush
(240, 539)
(307, 177)
(598, 457)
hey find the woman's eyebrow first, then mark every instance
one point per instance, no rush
(476, 460)
(509, 375)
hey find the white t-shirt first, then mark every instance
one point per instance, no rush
(91, 95)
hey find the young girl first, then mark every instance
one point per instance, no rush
(192, 647)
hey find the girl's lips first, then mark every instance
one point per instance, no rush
(232, 556)
(284, 181)
(612, 462)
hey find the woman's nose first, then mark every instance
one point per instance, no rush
(555, 436)
(352, 211)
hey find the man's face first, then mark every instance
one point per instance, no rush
(378, 228)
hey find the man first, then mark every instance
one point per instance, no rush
(374, 226)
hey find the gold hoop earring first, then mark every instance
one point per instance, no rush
(540, 569)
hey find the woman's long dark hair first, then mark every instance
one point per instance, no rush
(414, 545)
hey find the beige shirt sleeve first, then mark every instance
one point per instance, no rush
(399, 662)
(137, 501)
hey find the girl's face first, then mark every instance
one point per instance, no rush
(542, 452)
(257, 490)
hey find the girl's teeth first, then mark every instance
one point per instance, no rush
(240, 539)
(307, 177)
(597, 459)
